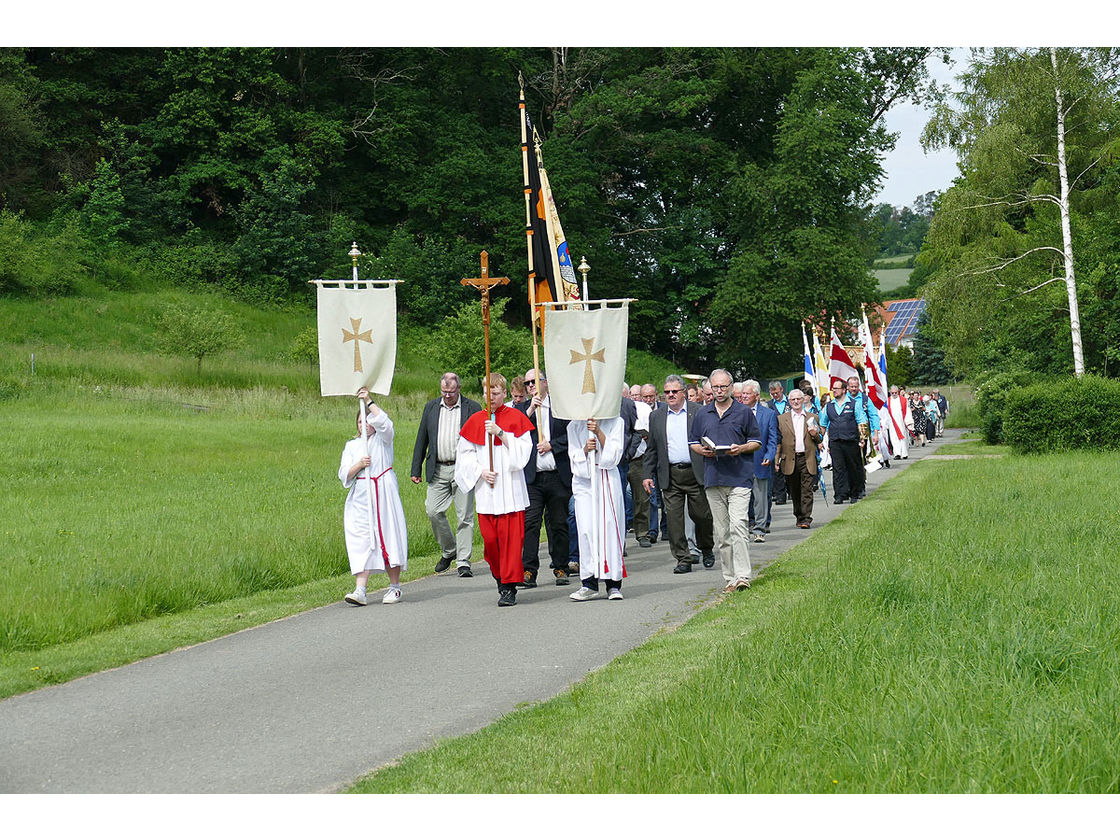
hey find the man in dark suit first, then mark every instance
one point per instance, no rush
(764, 460)
(436, 441)
(657, 523)
(548, 478)
(680, 474)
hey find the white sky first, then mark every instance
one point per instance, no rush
(910, 171)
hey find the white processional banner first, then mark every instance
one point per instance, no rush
(357, 339)
(585, 361)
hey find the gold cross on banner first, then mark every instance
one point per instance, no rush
(357, 337)
(587, 357)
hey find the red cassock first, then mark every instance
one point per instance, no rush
(501, 508)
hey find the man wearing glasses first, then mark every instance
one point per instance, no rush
(680, 474)
(725, 433)
(548, 480)
(436, 440)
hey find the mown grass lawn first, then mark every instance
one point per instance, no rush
(125, 505)
(959, 632)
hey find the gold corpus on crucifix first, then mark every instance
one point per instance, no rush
(357, 337)
(587, 357)
(484, 284)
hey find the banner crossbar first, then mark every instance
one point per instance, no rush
(352, 284)
(553, 304)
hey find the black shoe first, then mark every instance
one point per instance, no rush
(682, 567)
(709, 559)
(465, 571)
(561, 576)
(508, 596)
(644, 542)
(854, 499)
(444, 564)
(780, 501)
(836, 501)
(652, 537)
(530, 581)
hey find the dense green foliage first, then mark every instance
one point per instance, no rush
(902, 231)
(1078, 414)
(725, 189)
(992, 394)
(994, 250)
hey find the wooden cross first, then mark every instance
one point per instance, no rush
(587, 357)
(357, 337)
(483, 284)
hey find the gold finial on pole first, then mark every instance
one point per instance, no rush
(354, 254)
(584, 269)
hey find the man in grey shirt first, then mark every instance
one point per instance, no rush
(436, 440)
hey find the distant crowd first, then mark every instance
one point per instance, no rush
(698, 465)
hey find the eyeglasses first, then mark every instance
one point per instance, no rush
(530, 382)
(720, 387)
(672, 390)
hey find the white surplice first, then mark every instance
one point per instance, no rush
(605, 523)
(366, 533)
(509, 493)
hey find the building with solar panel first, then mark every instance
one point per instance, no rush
(900, 320)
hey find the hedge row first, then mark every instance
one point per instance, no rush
(1062, 415)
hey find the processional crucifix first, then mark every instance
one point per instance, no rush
(483, 284)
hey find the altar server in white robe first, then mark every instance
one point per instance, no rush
(600, 515)
(376, 534)
(899, 423)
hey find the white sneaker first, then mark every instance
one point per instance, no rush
(584, 594)
(393, 596)
(741, 584)
(357, 598)
(614, 595)
(759, 538)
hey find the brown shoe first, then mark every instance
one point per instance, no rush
(561, 577)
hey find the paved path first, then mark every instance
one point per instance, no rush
(311, 702)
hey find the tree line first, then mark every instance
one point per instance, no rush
(728, 190)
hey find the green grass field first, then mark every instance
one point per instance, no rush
(959, 632)
(892, 278)
(147, 506)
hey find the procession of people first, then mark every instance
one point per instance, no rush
(714, 466)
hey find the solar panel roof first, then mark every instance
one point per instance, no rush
(904, 318)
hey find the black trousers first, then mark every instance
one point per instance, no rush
(848, 476)
(548, 496)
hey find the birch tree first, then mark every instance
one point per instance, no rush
(1032, 129)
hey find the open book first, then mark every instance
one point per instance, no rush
(708, 442)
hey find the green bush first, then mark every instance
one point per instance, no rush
(198, 331)
(36, 263)
(991, 398)
(459, 344)
(1061, 415)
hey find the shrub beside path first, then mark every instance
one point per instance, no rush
(312, 702)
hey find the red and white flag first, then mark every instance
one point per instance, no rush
(876, 385)
(840, 367)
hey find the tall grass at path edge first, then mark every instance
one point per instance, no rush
(957, 632)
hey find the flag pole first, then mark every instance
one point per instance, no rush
(597, 503)
(534, 310)
(354, 253)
